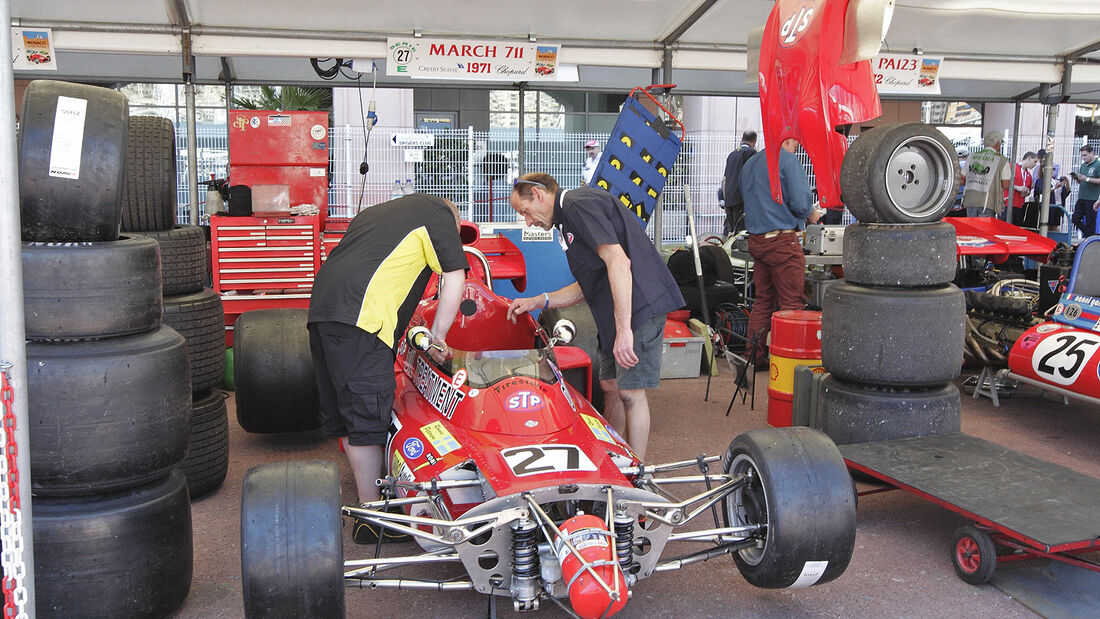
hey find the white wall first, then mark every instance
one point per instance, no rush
(394, 106)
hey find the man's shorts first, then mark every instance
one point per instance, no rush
(355, 382)
(646, 374)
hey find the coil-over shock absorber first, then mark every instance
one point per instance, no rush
(624, 540)
(525, 565)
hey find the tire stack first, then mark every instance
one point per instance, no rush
(893, 332)
(107, 383)
(195, 311)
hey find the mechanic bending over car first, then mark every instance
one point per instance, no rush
(627, 285)
(363, 299)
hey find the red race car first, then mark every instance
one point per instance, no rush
(498, 463)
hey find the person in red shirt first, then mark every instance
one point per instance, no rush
(1021, 186)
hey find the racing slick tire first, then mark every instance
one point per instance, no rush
(149, 177)
(207, 460)
(200, 319)
(801, 490)
(107, 414)
(183, 258)
(893, 337)
(900, 255)
(75, 291)
(273, 372)
(903, 173)
(122, 554)
(860, 414)
(584, 339)
(62, 198)
(292, 557)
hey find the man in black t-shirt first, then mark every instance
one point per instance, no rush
(626, 283)
(731, 183)
(363, 299)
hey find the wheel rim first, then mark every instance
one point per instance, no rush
(919, 176)
(968, 555)
(748, 505)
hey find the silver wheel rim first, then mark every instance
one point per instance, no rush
(919, 177)
(745, 504)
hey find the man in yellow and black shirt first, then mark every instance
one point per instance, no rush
(362, 301)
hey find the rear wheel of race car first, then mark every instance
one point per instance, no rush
(800, 491)
(273, 372)
(901, 173)
(292, 558)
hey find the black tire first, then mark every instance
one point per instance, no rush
(91, 290)
(124, 554)
(801, 490)
(183, 258)
(903, 173)
(207, 460)
(717, 294)
(107, 414)
(900, 255)
(292, 557)
(712, 258)
(893, 337)
(149, 176)
(273, 372)
(200, 319)
(973, 554)
(856, 414)
(585, 339)
(82, 202)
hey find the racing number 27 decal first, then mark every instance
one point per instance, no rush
(1061, 358)
(537, 459)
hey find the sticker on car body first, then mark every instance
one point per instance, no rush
(540, 459)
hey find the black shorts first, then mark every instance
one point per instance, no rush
(355, 382)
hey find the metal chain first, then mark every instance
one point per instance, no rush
(11, 525)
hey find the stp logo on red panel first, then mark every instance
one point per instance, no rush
(797, 23)
(523, 401)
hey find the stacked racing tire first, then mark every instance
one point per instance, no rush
(108, 383)
(893, 332)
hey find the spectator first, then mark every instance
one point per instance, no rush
(731, 183)
(626, 283)
(983, 169)
(1021, 189)
(1084, 212)
(779, 267)
(592, 154)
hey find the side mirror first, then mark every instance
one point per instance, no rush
(565, 331)
(419, 338)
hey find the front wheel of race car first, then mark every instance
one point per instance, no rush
(292, 558)
(799, 491)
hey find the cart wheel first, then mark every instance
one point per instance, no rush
(292, 557)
(799, 489)
(974, 555)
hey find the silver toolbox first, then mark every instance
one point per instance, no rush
(824, 240)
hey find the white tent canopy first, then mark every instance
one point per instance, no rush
(994, 49)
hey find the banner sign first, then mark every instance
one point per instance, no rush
(510, 61)
(32, 49)
(907, 73)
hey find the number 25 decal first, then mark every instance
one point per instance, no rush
(538, 459)
(1061, 358)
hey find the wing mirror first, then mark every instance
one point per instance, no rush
(564, 331)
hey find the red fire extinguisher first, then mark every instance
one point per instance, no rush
(588, 535)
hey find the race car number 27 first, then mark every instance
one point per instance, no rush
(1061, 358)
(538, 459)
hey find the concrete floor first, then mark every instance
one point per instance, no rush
(901, 564)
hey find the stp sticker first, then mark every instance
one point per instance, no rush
(317, 132)
(413, 448)
(797, 23)
(523, 401)
(459, 378)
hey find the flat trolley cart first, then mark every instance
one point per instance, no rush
(1028, 507)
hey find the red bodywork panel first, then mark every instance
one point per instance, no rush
(443, 419)
(997, 240)
(1060, 355)
(805, 92)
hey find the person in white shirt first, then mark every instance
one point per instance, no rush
(592, 154)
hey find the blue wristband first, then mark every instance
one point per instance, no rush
(546, 296)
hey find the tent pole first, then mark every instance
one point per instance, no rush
(13, 350)
(1012, 161)
(1048, 170)
(192, 152)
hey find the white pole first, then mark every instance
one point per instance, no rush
(470, 173)
(13, 351)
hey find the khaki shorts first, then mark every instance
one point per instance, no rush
(648, 342)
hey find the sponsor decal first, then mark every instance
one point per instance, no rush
(523, 401)
(254, 122)
(413, 448)
(531, 423)
(437, 390)
(317, 132)
(440, 438)
(598, 429)
(540, 459)
(972, 241)
(399, 469)
(474, 393)
(1047, 327)
(797, 23)
(459, 378)
(569, 238)
(1029, 341)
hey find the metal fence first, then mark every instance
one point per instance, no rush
(475, 169)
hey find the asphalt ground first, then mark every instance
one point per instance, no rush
(901, 565)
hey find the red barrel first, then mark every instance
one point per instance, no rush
(795, 341)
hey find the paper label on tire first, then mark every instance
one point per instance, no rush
(68, 137)
(811, 573)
